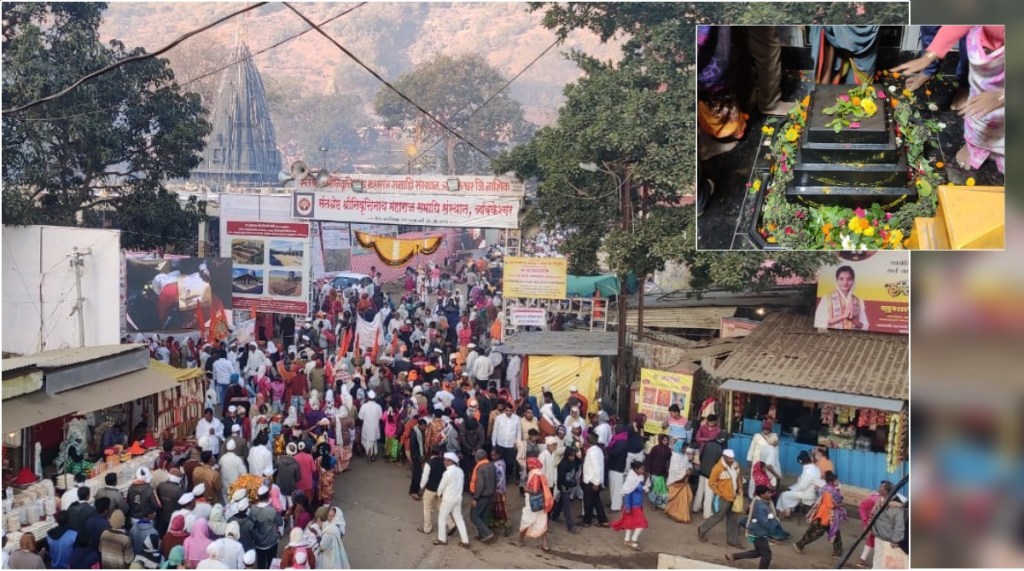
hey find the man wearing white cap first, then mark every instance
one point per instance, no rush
(726, 483)
(231, 466)
(548, 463)
(210, 426)
(260, 457)
(142, 498)
(471, 357)
(370, 413)
(241, 444)
(265, 529)
(249, 559)
(450, 491)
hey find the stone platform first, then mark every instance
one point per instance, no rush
(854, 167)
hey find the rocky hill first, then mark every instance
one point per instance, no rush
(391, 38)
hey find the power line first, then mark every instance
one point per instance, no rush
(131, 59)
(489, 99)
(377, 76)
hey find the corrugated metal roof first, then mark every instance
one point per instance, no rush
(67, 357)
(787, 350)
(677, 317)
(577, 343)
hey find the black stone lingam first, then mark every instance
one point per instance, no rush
(854, 167)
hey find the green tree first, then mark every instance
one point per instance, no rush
(107, 144)
(633, 120)
(454, 89)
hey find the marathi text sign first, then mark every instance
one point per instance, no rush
(529, 317)
(737, 327)
(658, 391)
(421, 184)
(536, 278)
(455, 210)
(272, 263)
(865, 291)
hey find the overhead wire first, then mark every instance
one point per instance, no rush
(218, 70)
(488, 100)
(387, 84)
(130, 59)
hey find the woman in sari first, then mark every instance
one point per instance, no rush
(534, 523)
(331, 554)
(844, 54)
(195, 545)
(842, 309)
(391, 435)
(825, 517)
(632, 520)
(656, 465)
(722, 123)
(680, 495)
(985, 111)
(325, 465)
(346, 427)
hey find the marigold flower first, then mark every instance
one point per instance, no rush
(757, 185)
(907, 93)
(895, 75)
(869, 231)
(928, 92)
(826, 229)
(895, 103)
(773, 240)
(792, 134)
(806, 100)
(970, 181)
(869, 106)
(940, 164)
(855, 100)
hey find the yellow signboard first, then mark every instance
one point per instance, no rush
(537, 278)
(660, 390)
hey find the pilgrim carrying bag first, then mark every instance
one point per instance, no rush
(536, 502)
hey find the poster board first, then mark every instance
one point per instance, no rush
(660, 390)
(535, 278)
(271, 264)
(877, 286)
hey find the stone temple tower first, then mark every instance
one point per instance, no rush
(241, 148)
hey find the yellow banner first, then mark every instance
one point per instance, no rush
(660, 390)
(538, 278)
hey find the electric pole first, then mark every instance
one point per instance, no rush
(78, 263)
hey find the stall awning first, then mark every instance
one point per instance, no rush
(37, 407)
(813, 395)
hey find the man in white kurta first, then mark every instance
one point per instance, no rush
(805, 490)
(450, 492)
(370, 413)
(231, 466)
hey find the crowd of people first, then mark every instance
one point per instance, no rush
(255, 485)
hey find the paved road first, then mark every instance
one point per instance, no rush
(382, 521)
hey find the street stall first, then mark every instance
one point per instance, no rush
(561, 359)
(57, 408)
(844, 390)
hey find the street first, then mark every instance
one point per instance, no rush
(382, 521)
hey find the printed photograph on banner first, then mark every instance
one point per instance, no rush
(285, 284)
(286, 253)
(246, 281)
(865, 291)
(850, 137)
(175, 294)
(247, 252)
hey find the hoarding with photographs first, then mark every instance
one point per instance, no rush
(271, 264)
(659, 390)
(175, 294)
(865, 291)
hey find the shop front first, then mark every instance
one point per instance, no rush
(842, 390)
(63, 410)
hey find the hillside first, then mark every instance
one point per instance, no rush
(389, 37)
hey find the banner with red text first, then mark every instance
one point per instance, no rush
(420, 184)
(271, 264)
(449, 210)
(535, 278)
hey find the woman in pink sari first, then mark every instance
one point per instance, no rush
(985, 112)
